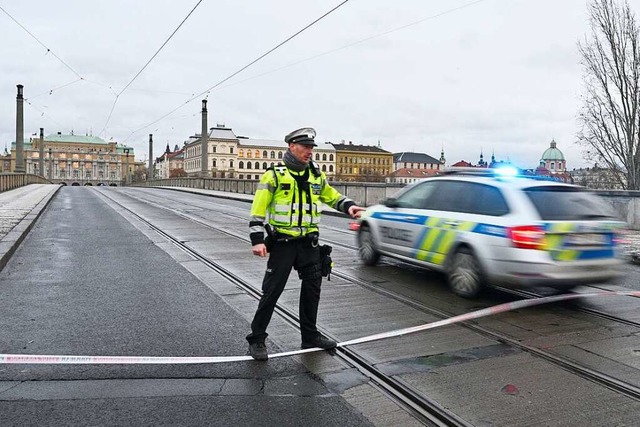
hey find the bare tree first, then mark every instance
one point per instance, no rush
(609, 118)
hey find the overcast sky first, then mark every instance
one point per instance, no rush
(468, 76)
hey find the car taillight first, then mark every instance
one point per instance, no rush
(527, 236)
(354, 226)
(621, 237)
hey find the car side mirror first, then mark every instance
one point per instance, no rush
(392, 202)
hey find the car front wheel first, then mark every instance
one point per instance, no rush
(465, 276)
(368, 252)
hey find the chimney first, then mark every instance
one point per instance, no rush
(150, 170)
(204, 140)
(19, 165)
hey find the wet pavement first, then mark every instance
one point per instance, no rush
(101, 287)
(153, 397)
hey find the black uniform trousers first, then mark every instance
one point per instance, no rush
(285, 255)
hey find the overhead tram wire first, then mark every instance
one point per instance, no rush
(366, 39)
(241, 69)
(42, 113)
(80, 78)
(148, 62)
(41, 44)
(50, 91)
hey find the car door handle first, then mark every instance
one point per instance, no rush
(452, 223)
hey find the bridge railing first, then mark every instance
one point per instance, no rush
(9, 181)
(625, 203)
(365, 194)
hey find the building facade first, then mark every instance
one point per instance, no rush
(170, 164)
(78, 160)
(409, 160)
(365, 163)
(239, 157)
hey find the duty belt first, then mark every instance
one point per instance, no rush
(313, 237)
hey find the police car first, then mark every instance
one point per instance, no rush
(491, 227)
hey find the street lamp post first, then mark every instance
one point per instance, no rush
(126, 177)
(50, 160)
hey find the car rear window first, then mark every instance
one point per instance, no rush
(568, 204)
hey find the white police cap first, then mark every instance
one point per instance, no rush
(304, 136)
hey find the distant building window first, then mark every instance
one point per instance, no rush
(279, 154)
(264, 165)
(257, 177)
(330, 168)
(214, 163)
(230, 163)
(231, 150)
(264, 154)
(331, 157)
(241, 165)
(241, 153)
(257, 165)
(272, 155)
(324, 157)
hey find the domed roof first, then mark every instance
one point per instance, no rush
(553, 153)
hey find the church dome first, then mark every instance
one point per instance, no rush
(553, 153)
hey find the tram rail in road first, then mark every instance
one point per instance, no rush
(417, 404)
(379, 378)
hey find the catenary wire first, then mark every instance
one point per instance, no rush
(402, 27)
(41, 44)
(50, 91)
(357, 42)
(115, 101)
(241, 69)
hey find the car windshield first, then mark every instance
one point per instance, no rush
(568, 204)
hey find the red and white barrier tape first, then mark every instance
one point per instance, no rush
(98, 360)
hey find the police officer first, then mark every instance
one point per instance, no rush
(288, 203)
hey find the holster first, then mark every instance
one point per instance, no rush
(271, 237)
(326, 263)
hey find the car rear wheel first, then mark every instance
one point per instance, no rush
(368, 251)
(465, 276)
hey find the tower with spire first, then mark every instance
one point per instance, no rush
(481, 162)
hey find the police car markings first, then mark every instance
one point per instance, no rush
(398, 217)
(431, 236)
(97, 360)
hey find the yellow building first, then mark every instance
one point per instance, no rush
(362, 163)
(78, 160)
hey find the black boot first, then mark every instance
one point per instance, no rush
(320, 341)
(258, 350)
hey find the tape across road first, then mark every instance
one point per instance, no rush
(129, 360)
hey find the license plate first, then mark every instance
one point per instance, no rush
(586, 239)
